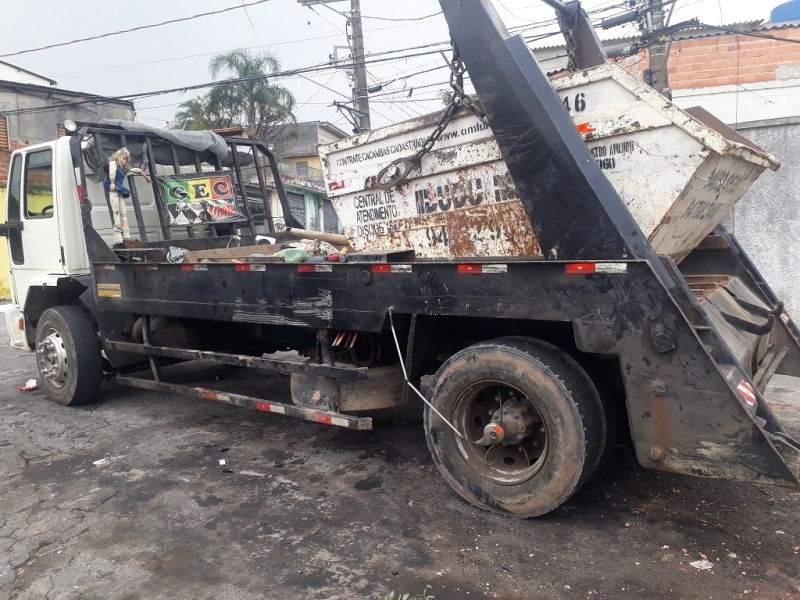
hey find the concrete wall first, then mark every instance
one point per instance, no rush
(766, 221)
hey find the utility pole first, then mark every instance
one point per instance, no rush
(360, 111)
(360, 93)
(659, 55)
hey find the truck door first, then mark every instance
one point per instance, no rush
(32, 226)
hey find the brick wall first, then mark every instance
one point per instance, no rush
(727, 60)
(5, 160)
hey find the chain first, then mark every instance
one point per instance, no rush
(400, 169)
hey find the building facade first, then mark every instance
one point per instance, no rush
(32, 111)
(301, 173)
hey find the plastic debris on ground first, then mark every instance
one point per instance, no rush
(30, 386)
(702, 565)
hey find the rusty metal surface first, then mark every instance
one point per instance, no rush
(307, 414)
(678, 174)
(460, 202)
(301, 365)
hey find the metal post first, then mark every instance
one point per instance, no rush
(101, 152)
(242, 189)
(264, 194)
(659, 56)
(160, 206)
(137, 207)
(360, 94)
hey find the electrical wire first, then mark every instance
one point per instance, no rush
(132, 29)
(402, 19)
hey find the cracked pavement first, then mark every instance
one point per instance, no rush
(127, 499)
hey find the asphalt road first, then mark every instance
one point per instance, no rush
(127, 499)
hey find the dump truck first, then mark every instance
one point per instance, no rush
(551, 302)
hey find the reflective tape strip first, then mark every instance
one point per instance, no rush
(473, 269)
(488, 269)
(146, 268)
(194, 267)
(391, 268)
(589, 268)
(746, 392)
(611, 267)
(785, 318)
(105, 267)
(313, 268)
(250, 268)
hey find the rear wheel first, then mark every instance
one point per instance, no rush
(68, 356)
(551, 418)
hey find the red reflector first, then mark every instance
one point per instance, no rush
(381, 268)
(577, 268)
(210, 396)
(187, 267)
(243, 268)
(470, 269)
(80, 194)
(21, 324)
(307, 268)
(263, 406)
(323, 419)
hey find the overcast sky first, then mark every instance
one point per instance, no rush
(177, 55)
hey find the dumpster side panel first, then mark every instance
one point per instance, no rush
(708, 197)
(459, 202)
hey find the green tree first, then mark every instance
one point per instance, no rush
(446, 96)
(243, 97)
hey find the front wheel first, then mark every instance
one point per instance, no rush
(552, 420)
(68, 356)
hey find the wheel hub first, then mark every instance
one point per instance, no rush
(51, 355)
(510, 424)
(510, 438)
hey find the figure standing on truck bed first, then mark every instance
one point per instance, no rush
(118, 169)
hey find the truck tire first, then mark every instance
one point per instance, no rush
(562, 444)
(68, 356)
(594, 386)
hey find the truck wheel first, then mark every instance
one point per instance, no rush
(556, 420)
(68, 355)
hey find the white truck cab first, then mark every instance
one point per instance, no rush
(43, 230)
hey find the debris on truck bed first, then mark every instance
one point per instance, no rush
(460, 201)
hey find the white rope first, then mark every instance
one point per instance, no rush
(405, 376)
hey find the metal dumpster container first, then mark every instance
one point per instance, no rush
(678, 172)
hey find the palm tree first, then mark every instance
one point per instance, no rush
(244, 98)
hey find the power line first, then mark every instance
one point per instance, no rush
(139, 28)
(401, 19)
(254, 78)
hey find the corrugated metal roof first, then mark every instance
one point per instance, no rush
(695, 33)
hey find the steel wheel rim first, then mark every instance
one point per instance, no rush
(51, 355)
(501, 464)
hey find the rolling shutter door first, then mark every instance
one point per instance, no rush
(297, 202)
(331, 220)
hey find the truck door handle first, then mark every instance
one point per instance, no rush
(6, 228)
